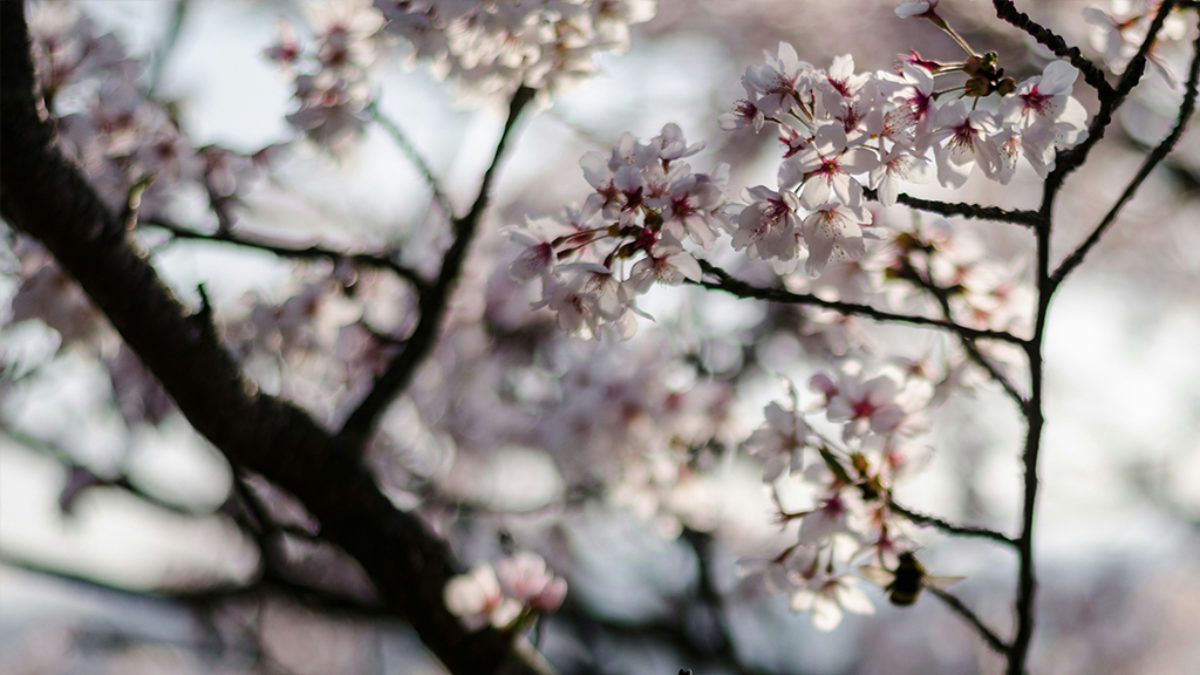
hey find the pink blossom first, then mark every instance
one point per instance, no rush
(476, 598)
(524, 578)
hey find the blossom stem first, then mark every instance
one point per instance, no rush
(956, 37)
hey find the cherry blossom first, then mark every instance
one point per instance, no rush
(524, 578)
(863, 404)
(477, 599)
(832, 226)
(779, 442)
(1119, 31)
(769, 226)
(828, 596)
(967, 143)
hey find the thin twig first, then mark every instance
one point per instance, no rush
(1025, 218)
(968, 343)
(728, 283)
(948, 527)
(158, 59)
(989, 636)
(401, 139)
(313, 597)
(90, 479)
(314, 252)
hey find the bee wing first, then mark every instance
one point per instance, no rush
(877, 575)
(939, 582)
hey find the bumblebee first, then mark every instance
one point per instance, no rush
(904, 583)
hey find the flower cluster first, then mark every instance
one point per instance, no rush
(843, 131)
(1119, 30)
(982, 291)
(131, 146)
(635, 417)
(851, 477)
(330, 74)
(115, 134)
(498, 44)
(503, 597)
(629, 234)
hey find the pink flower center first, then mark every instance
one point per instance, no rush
(864, 408)
(1035, 101)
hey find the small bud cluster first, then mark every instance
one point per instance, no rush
(507, 595)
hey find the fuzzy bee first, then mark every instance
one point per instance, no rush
(904, 583)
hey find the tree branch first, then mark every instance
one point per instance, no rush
(44, 195)
(968, 343)
(1028, 219)
(736, 287)
(374, 260)
(410, 151)
(1152, 160)
(989, 636)
(361, 423)
(206, 596)
(86, 479)
(1092, 74)
(948, 527)
(1072, 159)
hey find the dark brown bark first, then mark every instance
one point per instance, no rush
(45, 196)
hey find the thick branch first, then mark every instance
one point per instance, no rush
(45, 196)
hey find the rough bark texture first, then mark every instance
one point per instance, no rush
(45, 196)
